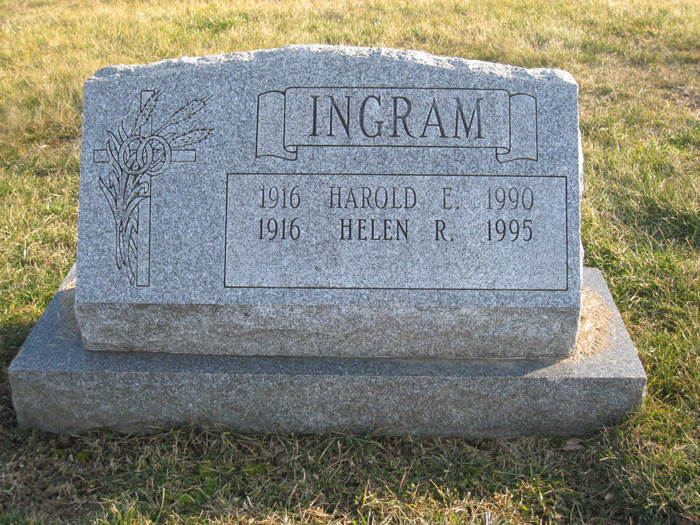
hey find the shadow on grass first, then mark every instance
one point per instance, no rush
(680, 225)
(194, 476)
(356, 478)
(13, 518)
(664, 221)
(12, 337)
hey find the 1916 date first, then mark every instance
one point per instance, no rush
(282, 229)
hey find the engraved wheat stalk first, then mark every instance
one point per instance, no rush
(134, 159)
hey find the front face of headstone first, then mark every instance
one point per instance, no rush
(317, 201)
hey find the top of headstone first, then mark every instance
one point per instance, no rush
(299, 51)
(324, 182)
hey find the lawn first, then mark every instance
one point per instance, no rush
(638, 68)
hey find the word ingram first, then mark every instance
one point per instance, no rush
(395, 116)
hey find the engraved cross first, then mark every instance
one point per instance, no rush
(136, 157)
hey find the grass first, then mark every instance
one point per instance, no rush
(637, 66)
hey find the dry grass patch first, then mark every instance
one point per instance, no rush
(594, 331)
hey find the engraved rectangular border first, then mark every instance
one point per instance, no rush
(566, 233)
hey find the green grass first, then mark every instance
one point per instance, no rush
(637, 65)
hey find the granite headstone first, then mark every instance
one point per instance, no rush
(337, 202)
(316, 239)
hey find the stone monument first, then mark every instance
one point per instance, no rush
(320, 238)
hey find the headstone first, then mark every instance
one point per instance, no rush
(321, 238)
(335, 202)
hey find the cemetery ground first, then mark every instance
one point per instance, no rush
(637, 67)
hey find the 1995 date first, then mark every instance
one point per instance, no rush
(512, 230)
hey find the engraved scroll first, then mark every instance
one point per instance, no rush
(396, 117)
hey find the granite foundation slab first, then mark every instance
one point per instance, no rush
(58, 386)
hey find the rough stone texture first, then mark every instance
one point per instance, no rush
(397, 234)
(57, 386)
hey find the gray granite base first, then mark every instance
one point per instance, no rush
(57, 386)
(421, 332)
